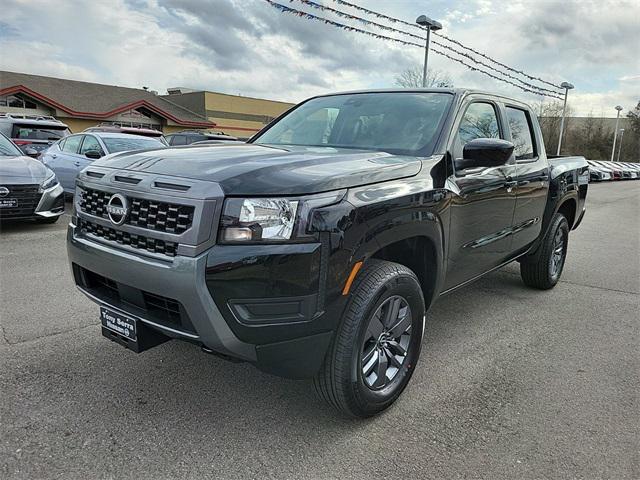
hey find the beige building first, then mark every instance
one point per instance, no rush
(233, 114)
(83, 104)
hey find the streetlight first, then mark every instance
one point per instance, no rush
(567, 86)
(620, 147)
(615, 132)
(429, 24)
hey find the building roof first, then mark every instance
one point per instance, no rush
(95, 100)
(186, 91)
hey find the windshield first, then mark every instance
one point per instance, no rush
(403, 123)
(8, 149)
(122, 144)
(28, 132)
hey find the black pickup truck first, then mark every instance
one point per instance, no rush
(316, 249)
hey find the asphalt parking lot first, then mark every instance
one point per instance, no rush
(512, 383)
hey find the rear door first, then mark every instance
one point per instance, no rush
(483, 199)
(67, 162)
(533, 176)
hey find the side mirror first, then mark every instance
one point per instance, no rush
(31, 152)
(485, 152)
(93, 154)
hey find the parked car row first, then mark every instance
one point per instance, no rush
(600, 171)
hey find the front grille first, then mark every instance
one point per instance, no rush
(27, 197)
(146, 304)
(125, 238)
(149, 214)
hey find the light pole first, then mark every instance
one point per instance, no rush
(567, 86)
(429, 24)
(615, 131)
(620, 147)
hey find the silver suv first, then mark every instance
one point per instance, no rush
(32, 133)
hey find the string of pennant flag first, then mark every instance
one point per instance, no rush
(308, 16)
(460, 44)
(435, 42)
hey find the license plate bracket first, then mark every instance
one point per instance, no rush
(8, 202)
(129, 331)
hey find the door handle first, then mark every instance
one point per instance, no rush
(76, 163)
(54, 155)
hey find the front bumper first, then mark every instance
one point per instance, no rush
(51, 203)
(293, 350)
(33, 203)
(181, 279)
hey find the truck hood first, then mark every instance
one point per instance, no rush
(250, 169)
(22, 170)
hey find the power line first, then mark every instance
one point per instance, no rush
(397, 20)
(448, 47)
(300, 13)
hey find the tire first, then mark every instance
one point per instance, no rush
(48, 219)
(544, 269)
(347, 380)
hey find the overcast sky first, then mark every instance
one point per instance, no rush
(247, 47)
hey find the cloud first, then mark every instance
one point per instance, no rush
(248, 47)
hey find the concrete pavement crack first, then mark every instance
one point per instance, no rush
(12, 344)
(4, 335)
(585, 285)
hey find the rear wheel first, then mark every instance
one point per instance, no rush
(377, 344)
(544, 269)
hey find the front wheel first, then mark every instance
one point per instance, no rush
(377, 345)
(543, 270)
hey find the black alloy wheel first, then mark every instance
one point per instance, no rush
(387, 340)
(377, 345)
(543, 268)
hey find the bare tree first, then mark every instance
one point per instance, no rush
(631, 149)
(550, 115)
(412, 78)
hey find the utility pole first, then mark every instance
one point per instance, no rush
(567, 86)
(615, 131)
(620, 147)
(429, 24)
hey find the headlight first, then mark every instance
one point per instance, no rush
(272, 219)
(51, 181)
(256, 219)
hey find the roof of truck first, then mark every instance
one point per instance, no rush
(454, 91)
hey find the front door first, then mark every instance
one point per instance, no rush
(483, 201)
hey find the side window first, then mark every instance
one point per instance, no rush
(72, 143)
(521, 135)
(178, 140)
(90, 143)
(479, 121)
